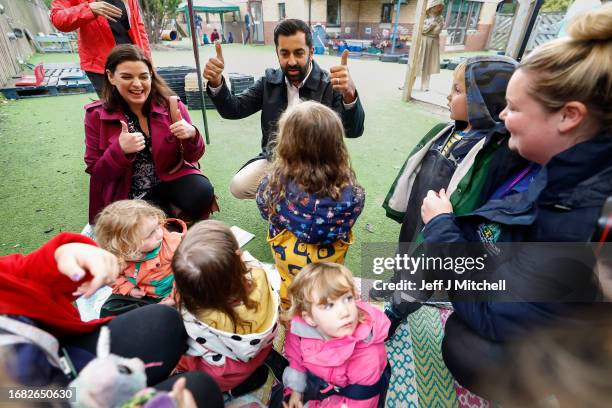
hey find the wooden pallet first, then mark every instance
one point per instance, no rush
(60, 79)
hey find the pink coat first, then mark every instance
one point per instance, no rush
(111, 169)
(357, 359)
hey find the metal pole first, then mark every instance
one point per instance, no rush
(532, 20)
(222, 25)
(394, 34)
(196, 55)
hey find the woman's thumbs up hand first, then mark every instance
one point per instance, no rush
(130, 142)
(182, 129)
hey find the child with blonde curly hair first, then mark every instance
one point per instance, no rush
(136, 232)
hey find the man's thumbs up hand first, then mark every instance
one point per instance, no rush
(213, 71)
(219, 51)
(344, 58)
(341, 79)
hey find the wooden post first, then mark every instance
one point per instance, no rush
(519, 27)
(415, 50)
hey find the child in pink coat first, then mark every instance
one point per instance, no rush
(334, 340)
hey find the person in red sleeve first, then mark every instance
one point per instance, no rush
(36, 294)
(101, 25)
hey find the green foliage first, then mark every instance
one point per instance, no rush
(551, 6)
(48, 3)
(156, 13)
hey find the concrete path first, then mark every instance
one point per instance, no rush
(375, 80)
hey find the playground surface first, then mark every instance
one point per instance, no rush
(44, 189)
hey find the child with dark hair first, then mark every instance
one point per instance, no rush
(229, 309)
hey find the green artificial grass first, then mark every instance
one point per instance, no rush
(44, 189)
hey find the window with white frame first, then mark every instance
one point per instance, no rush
(281, 11)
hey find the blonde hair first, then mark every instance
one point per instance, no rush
(577, 68)
(310, 151)
(118, 227)
(209, 272)
(460, 70)
(318, 284)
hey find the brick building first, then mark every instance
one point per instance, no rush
(468, 23)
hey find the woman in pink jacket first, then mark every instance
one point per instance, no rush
(335, 344)
(101, 25)
(138, 146)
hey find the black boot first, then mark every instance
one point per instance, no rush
(398, 314)
(395, 319)
(277, 363)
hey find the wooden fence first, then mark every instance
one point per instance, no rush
(20, 19)
(501, 32)
(545, 29)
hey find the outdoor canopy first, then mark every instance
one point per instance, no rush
(190, 7)
(209, 6)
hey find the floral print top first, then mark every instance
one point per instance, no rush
(312, 219)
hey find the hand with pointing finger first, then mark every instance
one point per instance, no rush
(182, 129)
(130, 142)
(213, 71)
(75, 260)
(341, 79)
(104, 9)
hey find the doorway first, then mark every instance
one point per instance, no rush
(460, 16)
(257, 21)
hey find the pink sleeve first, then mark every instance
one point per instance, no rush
(194, 147)
(105, 164)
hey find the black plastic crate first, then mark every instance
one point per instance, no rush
(194, 102)
(175, 78)
(240, 82)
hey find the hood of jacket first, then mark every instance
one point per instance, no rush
(318, 350)
(320, 219)
(486, 80)
(215, 345)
